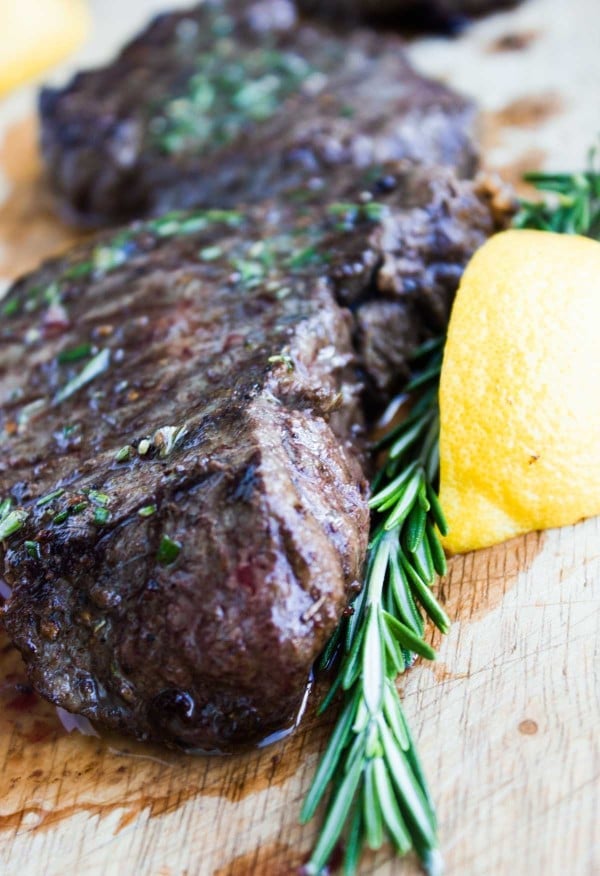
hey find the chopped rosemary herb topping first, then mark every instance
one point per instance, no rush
(11, 523)
(210, 253)
(349, 213)
(168, 551)
(45, 500)
(179, 222)
(78, 271)
(97, 498)
(101, 516)
(124, 454)
(11, 307)
(111, 255)
(93, 369)
(33, 549)
(60, 517)
(224, 94)
(75, 354)
(308, 256)
(147, 511)
(283, 359)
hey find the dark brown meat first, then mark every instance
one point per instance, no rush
(232, 103)
(179, 426)
(183, 594)
(421, 14)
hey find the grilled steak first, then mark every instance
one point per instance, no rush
(180, 425)
(179, 588)
(231, 103)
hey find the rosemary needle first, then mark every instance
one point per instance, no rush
(378, 791)
(572, 205)
(377, 787)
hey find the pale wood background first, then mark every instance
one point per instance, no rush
(507, 720)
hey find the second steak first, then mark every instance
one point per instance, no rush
(232, 103)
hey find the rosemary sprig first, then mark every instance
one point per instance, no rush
(378, 790)
(573, 204)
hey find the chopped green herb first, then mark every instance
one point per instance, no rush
(351, 213)
(124, 454)
(75, 354)
(93, 369)
(113, 254)
(52, 294)
(45, 500)
(251, 272)
(79, 507)
(167, 226)
(178, 222)
(224, 94)
(60, 517)
(168, 551)
(10, 308)
(233, 218)
(33, 549)
(101, 516)
(147, 511)
(305, 257)
(5, 507)
(210, 253)
(144, 446)
(79, 271)
(97, 498)
(374, 211)
(283, 359)
(344, 208)
(12, 523)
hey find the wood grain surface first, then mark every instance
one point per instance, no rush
(507, 720)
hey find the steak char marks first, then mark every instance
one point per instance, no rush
(181, 429)
(232, 103)
(195, 526)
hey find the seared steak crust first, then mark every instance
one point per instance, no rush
(231, 103)
(180, 427)
(204, 524)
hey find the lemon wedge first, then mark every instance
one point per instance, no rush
(36, 34)
(520, 390)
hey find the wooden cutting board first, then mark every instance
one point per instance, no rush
(507, 720)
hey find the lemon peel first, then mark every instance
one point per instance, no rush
(520, 390)
(37, 34)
